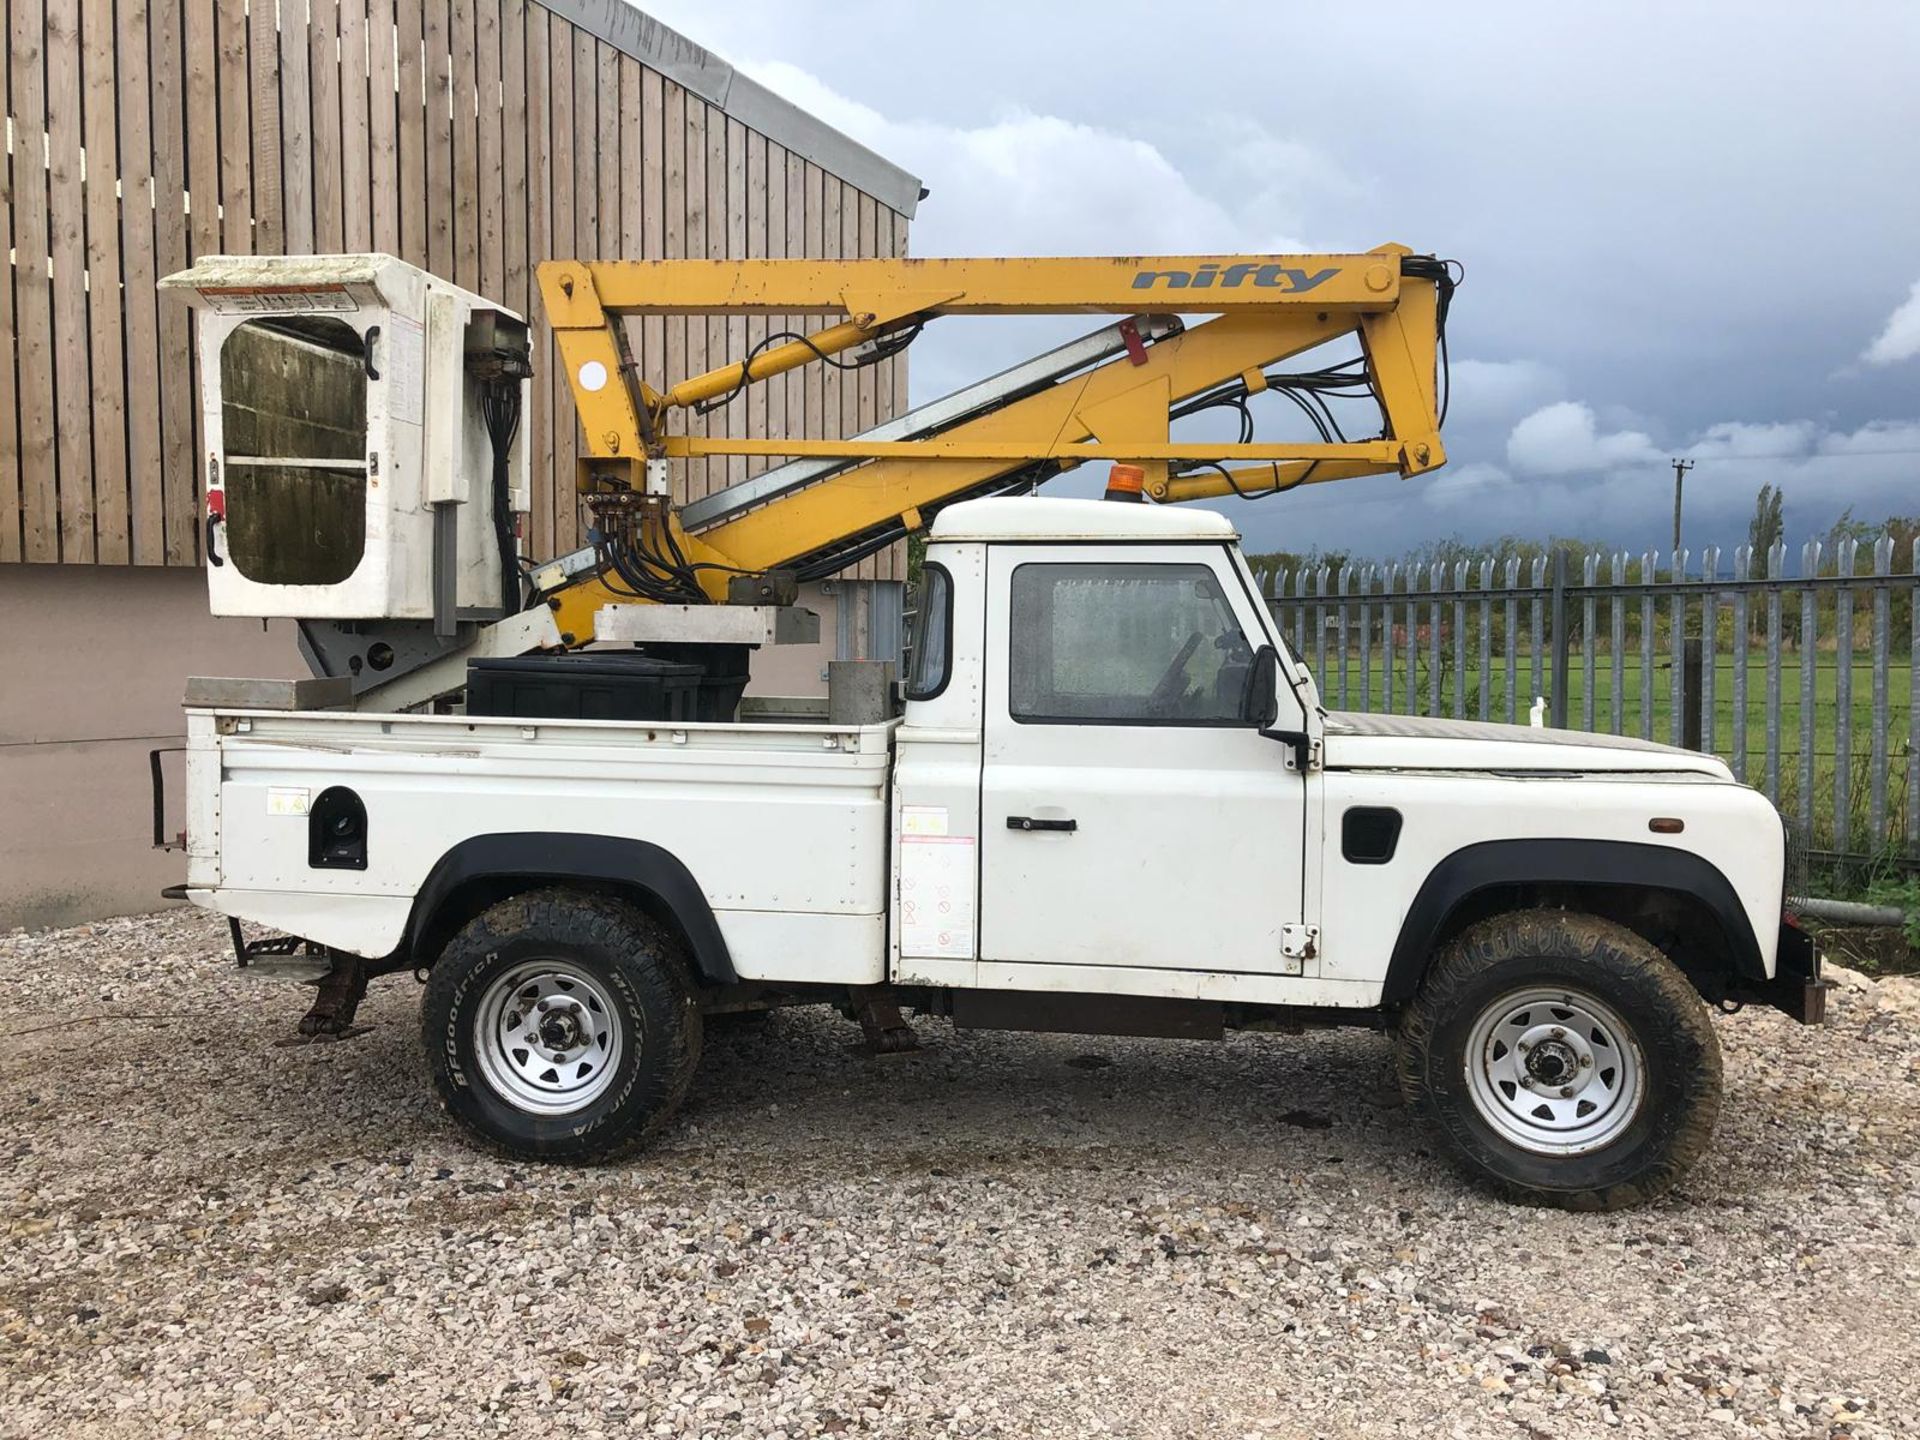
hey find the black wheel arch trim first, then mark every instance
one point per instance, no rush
(1618, 863)
(562, 858)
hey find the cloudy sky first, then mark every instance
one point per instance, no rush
(1687, 229)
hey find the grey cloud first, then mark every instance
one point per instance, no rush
(1675, 219)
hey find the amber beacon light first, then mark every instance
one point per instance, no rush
(1126, 482)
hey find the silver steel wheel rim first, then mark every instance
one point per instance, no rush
(547, 1037)
(1554, 1071)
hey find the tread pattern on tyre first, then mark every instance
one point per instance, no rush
(646, 966)
(1676, 1120)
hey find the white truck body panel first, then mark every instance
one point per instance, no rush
(1444, 811)
(1417, 742)
(1040, 519)
(782, 826)
(1205, 863)
(1166, 812)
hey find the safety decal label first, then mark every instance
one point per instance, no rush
(936, 896)
(405, 373)
(286, 800)
(923, 819)
(278, 299)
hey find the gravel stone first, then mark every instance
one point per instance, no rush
(207, 1230)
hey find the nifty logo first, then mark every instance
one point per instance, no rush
(1266, 277)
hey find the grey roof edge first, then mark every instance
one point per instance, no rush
(705, 74)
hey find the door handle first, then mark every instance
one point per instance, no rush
(1027, 822)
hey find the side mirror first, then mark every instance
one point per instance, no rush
(1260, 707)
(1260, 700)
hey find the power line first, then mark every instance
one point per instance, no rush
(1814, 455)
(1337, 496)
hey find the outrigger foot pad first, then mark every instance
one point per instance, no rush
(342, 989)
(887, 1030)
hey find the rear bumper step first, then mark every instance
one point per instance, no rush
(246, 952)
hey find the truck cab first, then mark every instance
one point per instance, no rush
(1080, 722)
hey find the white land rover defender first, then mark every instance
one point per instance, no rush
(1113, 803)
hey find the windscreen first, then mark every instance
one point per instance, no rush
(1124, 644)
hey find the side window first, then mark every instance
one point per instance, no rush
(1125, 644)
(932, 661)
(294, 415)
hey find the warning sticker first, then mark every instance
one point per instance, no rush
(923, 819)
(405, 374)
(286, 800)
(936, 896)
(278, 299)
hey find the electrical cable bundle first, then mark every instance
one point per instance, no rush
(500, 408)
(673, 579)
(647, 574)
(1310, 390)
(1446, 276)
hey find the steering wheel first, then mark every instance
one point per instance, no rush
(1173, 684)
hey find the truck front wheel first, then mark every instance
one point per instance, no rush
(560, 1025)
(1565, 1060)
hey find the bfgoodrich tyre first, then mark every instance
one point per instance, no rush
(1565, 1060)
(561, 1026)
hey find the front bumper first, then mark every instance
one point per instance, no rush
(1796, 988)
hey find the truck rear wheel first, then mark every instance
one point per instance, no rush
(560, 1025)
(1564, 1058)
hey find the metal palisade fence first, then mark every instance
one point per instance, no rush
(1806, 685)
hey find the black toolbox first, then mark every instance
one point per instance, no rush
(588, 685)
(723, 677)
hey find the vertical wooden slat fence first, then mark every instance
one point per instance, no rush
(1814, 703)
(66, 219)
(10, 515)
(37, 506)
(114, 514)
(475, 137)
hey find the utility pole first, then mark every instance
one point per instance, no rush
(1680, 468)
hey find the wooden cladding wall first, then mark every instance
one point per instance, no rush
(472, 137)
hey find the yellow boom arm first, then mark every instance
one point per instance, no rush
(1262, 309)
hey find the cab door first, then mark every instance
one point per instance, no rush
(1130, 816)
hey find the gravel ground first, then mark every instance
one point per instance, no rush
(1003, 1235)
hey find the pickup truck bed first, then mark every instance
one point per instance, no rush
(783, 826)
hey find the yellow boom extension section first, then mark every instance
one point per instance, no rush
(1260, 311)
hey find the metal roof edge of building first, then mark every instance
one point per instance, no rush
(694, 68)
